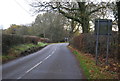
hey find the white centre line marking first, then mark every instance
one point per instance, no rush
(46, 57)
(33, 67)
(53, 52)
(19, 77)
(37, 64)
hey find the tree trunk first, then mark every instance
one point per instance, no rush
(85, 25)
(71, 34)
(118, 6)
(118, 55)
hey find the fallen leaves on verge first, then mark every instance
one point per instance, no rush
(110, 71)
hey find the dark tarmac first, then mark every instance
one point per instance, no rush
(55, 61)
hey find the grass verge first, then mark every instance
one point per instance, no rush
(16, 51)
(91, 70)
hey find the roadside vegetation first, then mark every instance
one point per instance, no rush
(91, 70)
(22, 50)
(73, 22)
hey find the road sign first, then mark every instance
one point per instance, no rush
(103, 26)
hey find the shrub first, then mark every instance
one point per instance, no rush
(87, 43)
(12, 40)
(31, 39)
(9, 41)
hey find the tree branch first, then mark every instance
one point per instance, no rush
(69, 16)
(95, 10)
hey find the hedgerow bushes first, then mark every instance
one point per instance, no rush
(12, 40)
(87, 42)
(9, 41)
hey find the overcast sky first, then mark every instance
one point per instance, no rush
(15, 12)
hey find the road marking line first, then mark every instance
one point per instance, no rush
(37, 64)
(19, 77)
(34, 67)
(53, 52)
(46, 57)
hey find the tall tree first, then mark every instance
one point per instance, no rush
(51, 25)
(118, 8)
(17, 29)
(12, 29)
(77, 11)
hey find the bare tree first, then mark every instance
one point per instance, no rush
(76, 11)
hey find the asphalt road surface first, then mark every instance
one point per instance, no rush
(55, 61)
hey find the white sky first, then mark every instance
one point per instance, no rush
(15, 12)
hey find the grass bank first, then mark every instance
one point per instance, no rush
(17, 51)
(91, 70)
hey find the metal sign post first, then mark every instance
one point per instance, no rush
(108, 42)
(103, 27)
(97, 38)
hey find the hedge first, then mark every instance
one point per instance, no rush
(87, 42)
(11, 40)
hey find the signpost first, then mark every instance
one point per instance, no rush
(102, 27)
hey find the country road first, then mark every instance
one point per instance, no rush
(55, 61)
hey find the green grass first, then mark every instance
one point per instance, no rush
(91, 70)
(24, 47)
(58, 42)
(15, 51)
(42, 44)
